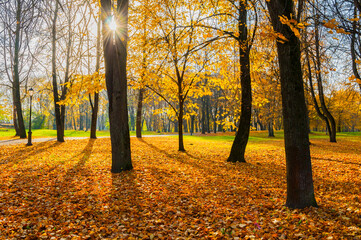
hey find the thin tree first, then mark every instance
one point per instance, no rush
(95, 106)
(59, 120)
(19, 20)
(240, 142)
(326, 112)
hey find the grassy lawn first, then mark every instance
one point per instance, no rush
(259, 136)
(40, 133)
(228, 136)
(66, 190)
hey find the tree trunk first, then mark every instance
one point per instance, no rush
(353, 43)
(180, 126)
(132, 117)
(192, 124)
(95, 107)
(16, 80)
(271, 132)
(331, 119)
(300, 192)
(317, 108)
(240, 142)
(15, 120)
(203, 118)
(207, 114)
(115, 56)
(58, 123)
(139, 114)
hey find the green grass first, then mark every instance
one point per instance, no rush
(255, 136)
(38, 133)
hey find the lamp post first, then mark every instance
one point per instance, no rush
(31, 92)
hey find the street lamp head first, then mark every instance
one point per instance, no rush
(31, 92)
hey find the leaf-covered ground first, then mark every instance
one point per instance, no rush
(66, 191)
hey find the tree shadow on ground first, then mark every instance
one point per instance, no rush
(25, 152)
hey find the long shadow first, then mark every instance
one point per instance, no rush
(335, 160)
(86, 154)
(79, 166)
(157, 149)
(68, 185)
(205, 167)
(10, 140)
(27, 152)
(342, 146)
(220, 179)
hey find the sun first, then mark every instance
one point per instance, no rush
(112, 24)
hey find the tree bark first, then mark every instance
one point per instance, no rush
(315, 103)
(58, 118)
(300, 191)
(139, 114)
(180, 126)
(95, 107)
(203, 115)
(16, 75)
(192, 124)
(207, 114)
(240, 142)
(271, 132)
(331, 119)
(353, 43)
(15, 119)
(115, 56)
(94, 116)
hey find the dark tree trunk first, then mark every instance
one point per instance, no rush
(139, 114)
(15, 120)
(271, 132)
(220, 127)
(240, 142)
(185, 124)
(353, 43)
(331, 119)
(115, 56)
(207, 114)
(317, 108)
(16, 80)
(94, 116)
(58, 118)
(261, 126)
(300, 192)
(132, 118)
(95, 107)
(180, 126)
(81, 118)
(192, 124)
(203, 115)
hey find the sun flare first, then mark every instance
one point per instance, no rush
(112, 24)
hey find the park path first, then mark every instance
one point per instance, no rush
(36, 140)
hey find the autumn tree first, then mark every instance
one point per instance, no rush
(182, 64)
(300, 191)
(143, 53)
(115, 56)
(245, 42)
(19, 20)
(95, 103)
(232, 22)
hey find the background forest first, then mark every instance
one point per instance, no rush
(176, 48)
